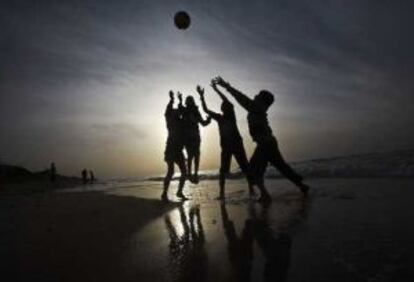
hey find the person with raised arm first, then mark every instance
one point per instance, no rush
(174, 148)
(267, 150)
(191, 119)
(231, 141)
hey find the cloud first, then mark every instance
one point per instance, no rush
(118, 130)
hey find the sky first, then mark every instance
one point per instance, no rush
(85, 83)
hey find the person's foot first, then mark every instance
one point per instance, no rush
(304, 188)
(181, 196)
(220, 198)
(192, 179)
(196, 179)
(264, 198)
(164, 197)
(252, 193)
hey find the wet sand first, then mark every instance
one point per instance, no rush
(346, 230)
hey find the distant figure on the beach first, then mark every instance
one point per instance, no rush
(84, 176)
(192, 118)
(267, 150)
(53, 172)
(231, 141)
(91, 176)
(174, 147)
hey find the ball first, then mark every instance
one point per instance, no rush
(182, 20)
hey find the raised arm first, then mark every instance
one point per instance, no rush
(180, 102)
(241, 98)
(203, 122)
(212, 114)
(222, 96)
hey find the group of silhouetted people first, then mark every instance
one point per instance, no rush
(84, 174)
(183, 134)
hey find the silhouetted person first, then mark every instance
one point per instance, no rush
(231, 141)
(192, 118)
(188, 257)
(174, 147)
(84, 176)
(267, 150)
(92, 176)
(53, 172)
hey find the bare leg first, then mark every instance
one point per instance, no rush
(264, 195)
(279, 163)
(167, 180)
(196, 165)
(257, 169)
(189, 164)
(183, 177)
(241, 159)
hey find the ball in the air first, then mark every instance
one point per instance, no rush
(182, 20)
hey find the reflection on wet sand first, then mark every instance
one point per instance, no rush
(187, 254)
(274, 247)
(264, 235)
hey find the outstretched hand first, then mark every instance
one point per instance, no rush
(171, 93)
(213, 85)
(180, 97)
(200, 91)
(219, 81)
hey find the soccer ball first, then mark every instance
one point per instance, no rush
(182, 20)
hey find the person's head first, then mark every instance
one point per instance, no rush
(264, 98)
(189, 102)
(226, 108)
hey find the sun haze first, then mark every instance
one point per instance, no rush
(85, 83)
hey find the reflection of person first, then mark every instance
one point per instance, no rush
(188, 257)
(275, 247)
(231, 141)
(267, 150)
(240, 249)
(174, 148)
(191, 119)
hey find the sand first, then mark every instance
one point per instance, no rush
(346, 230)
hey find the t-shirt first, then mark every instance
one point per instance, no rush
(175, 129)
(229, 132)
(259, 125)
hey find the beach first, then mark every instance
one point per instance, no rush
(345, 230)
